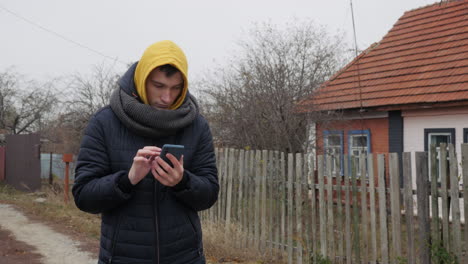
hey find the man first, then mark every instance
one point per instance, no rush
(148, 207)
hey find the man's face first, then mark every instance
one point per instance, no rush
(163, 91)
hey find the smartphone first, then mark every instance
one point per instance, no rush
(176, 150)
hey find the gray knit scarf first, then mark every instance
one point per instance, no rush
(147, 121)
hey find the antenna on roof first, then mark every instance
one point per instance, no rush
(357, 61)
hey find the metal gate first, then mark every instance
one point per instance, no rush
(23, 166)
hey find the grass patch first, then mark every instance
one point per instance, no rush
(53, 209)
(218, 247)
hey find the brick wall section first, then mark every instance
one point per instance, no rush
(378, 128)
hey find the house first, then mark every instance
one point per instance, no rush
(403, 93)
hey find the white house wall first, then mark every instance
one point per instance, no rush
(415, 121)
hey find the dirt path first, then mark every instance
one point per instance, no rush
(54, 247)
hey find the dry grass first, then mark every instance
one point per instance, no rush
(219, 248)
(234, 246)
(53, 209)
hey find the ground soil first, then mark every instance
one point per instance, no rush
(13, 251)
(25, 239)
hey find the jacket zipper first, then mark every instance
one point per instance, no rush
(114, 239)
(155, 215)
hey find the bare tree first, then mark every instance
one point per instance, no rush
(89, 93)
(251, 102)
(23, 103)
(85, 95)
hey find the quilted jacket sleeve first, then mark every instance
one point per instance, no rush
(201, 190)
(95, 189)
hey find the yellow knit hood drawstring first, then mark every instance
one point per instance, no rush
(158, 54)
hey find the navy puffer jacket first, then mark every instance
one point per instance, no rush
(150, 223)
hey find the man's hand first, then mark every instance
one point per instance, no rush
(142, 163)
(165, 174)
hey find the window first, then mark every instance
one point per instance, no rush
(435, 136)
(359, 143)
(333, 147)
(465, 135)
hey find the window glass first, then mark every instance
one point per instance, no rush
(359, 146)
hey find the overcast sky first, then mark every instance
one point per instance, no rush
(207, 30)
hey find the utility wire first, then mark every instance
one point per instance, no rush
(60, 36)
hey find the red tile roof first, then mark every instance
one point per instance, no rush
(422, 59)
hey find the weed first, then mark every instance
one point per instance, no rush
(319, 259)
(440, 254)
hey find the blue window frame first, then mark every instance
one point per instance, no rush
(333, 146)
(359, 142)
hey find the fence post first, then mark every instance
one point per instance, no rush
(241, 206)
(395, 205)
(299, 207)
(370, 169)
(434, 196)
(264, 200)
(383, 208)
(455, 201)
(357, 240)
(408, 197)
(258, 159)
(330, 219)
(229, 191)
(464, 150)
(290, 207)
(444, 178)
(422, 180)
(349, 254)
(364, 223)
(67, 158)
(322, 212)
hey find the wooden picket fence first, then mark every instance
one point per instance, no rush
(282, 205)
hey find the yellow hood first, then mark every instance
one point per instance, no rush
(158, 54)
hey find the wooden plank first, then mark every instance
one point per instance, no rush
(330, 219)
(355, 219)
(253, 199)
(364, 215)
(322, 212)
(278, 198)
(436, 234)
(264, 200)
(313, 206)
(229, 191)
(347, 213)
(422, 181)
(306, 210)
(395, 205)
(258, 172)
(298, 207)
(247, 180)
(409, 208)
(464, 160)
(339, 211)
(382, 209)
(444, 179)
(290, 207)
(248, 196)
(220, 179)
(270, 182)
(283, 199)
(225, 181)
(240, 198)
(214, 210)
(373, 223)
(454, 194)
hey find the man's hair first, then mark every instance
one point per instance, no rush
(168, 69)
